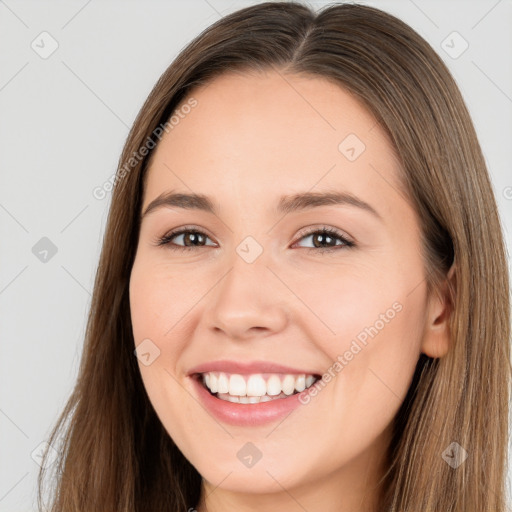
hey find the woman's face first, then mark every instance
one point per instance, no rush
(251, 299)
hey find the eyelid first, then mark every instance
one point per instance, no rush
(179, 231)
(347, 240)
(309, 230)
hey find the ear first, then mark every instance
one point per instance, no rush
(436, 336)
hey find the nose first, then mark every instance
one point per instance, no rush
(248, 301)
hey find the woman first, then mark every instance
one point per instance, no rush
(229, 366)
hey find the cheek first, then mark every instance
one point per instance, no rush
(158, 309)
(159, 301)
(374, 359)
(357, 304)
(158, 316)
(378, 320)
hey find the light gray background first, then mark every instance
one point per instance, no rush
(63, 123)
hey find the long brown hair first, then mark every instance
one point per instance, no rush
(115, 454)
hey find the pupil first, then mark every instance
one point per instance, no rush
(323, 235)
(193, 237)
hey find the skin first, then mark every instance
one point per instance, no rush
(250, 139)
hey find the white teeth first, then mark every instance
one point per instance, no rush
(237, 385)
(300, 383)
(254, 388)
(222, 383)
(249, 399)
(288, 385)
(214, 382)
(273, 385)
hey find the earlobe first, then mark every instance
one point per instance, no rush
(437, 335)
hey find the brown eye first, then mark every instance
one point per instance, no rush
(329, 237)
(324, 240)
(190, 238)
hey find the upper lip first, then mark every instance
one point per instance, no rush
(246, 368)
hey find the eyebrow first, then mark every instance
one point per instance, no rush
(286, 204)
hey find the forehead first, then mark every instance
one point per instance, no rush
(273, 131)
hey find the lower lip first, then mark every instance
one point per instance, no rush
(245, 414)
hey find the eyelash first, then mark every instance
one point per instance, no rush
(324, 230)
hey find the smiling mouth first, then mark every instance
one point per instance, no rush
(254, 388)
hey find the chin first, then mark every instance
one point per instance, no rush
(263, 477)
